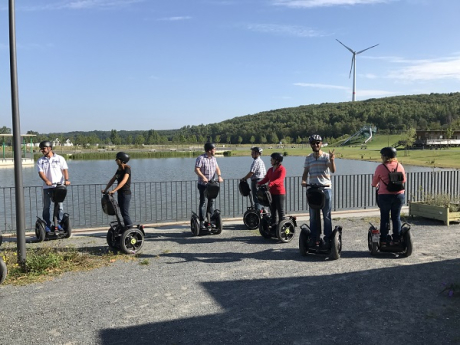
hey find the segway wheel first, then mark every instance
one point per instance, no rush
(303, 240)
(408, 243)
(195, 226)
(264, 228)
(1, 239)
(285, 231)
(218, 222)
(132, 241)
(66, 225)
(40, 231)
(251, 219)
(3, 271)
(336, 246)
(373, 246)
(112, 239)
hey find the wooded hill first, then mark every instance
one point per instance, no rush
(331, 120)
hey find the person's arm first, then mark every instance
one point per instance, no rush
(331, 164)
(278, 177)
(200, 174)
(376, 177)
(304, 177)
(265, 179)
(121, 184)
(65, 173)
(248, 175)
(112, 180)
(43, 177)
(219, 174)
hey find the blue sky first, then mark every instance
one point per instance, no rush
(163, 64)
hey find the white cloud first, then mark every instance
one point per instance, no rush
(176, 18)
(325, 3)
(322, 86)
(81, 4)
(289, 30)
(429, 70)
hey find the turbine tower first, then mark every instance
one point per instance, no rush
(353, 65)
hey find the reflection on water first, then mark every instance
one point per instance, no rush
(180, 169)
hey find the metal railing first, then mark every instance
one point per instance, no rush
(171, 201)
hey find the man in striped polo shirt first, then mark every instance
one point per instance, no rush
(206, 168)
(319, 165)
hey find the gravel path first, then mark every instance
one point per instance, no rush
(238, 288)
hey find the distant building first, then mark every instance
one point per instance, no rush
(436, 138)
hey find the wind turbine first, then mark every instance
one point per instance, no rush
(353, 65)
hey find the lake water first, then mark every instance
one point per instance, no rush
(180, 169)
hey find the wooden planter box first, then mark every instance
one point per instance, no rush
(433, 212)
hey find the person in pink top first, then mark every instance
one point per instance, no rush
(389, 202)
(275, 178)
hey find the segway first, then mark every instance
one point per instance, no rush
(58, 229)
(403, 247)
(3, 268)
(284, 230)
(318, 244)
(251, 217)
(128, 240)
(213, 222)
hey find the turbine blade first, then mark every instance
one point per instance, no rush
(345, 46)
(366, 49)
(351, 68)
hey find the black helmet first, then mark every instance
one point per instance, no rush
(257, 149)
(209, 146)
(389, 152)
(277, 156)
(45, 143)
(314, 137)
(123, 157)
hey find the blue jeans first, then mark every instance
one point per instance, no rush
(391, 203)
(327, 209)
(202, 206)
(123, 202)
(257, 206)
(47, 194)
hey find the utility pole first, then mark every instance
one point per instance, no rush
(18, 184)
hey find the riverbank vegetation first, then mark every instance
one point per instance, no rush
(390, 115)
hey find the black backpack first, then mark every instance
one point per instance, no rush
(396, 179)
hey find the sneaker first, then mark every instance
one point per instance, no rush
(47, 229)
(60, 228)
(202, 226)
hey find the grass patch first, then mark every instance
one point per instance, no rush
(50, 260)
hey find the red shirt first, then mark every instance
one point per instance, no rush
(276, 178)
(381, 173)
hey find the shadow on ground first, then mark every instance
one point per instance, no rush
(399, 305)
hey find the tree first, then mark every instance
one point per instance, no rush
(5, 130)
(252, 140)
(114, 137)
(140, 139)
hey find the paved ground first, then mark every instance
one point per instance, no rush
(238, 288)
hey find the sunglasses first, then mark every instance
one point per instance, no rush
(316, 143)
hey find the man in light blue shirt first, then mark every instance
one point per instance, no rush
(256, 173)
